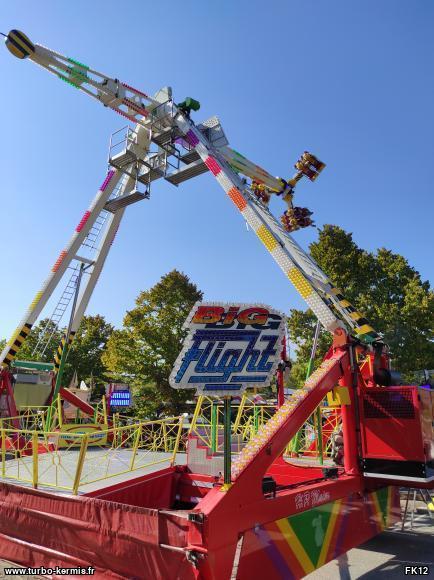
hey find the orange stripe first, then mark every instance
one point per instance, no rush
(59, 261)
(237, 198)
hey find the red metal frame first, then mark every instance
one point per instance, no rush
(7, 390)
(187, 525)
(384, 439)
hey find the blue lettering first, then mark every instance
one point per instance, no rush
(216, 363)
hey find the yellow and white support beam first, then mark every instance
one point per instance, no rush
(59, 267)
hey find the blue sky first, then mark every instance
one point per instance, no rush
(349, 81)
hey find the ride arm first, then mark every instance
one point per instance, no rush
(325, 300)
(125, 100)
(312, 284)
(77, 402)
(249, 468)
(59, 268)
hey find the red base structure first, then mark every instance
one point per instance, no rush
(119, 536)
(281, 519)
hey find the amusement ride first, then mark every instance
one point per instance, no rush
(271, 512)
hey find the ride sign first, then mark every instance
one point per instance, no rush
(119, 395)
(229, 347)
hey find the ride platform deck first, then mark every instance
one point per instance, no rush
(101, 468)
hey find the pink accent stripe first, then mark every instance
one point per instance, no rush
(107, 180)
(135, 90)
(341, 534)
(212, 165)
(83, 221)
(135, 107)
(133, 119)
(114, 235)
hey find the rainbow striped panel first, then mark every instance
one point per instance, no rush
(294, 546)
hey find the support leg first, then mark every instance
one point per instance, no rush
(405, 510)
(227, 443)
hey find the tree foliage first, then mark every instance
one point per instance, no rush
(301, 330)
(84, 355)
(86, 352)
(385, 288)
(42, 333)
(144, 351)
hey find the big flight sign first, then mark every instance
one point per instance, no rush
(229, 347)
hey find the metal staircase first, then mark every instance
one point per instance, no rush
(95, 231)
(116, 201)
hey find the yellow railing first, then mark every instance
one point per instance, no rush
(99, 415)
(30, 418)
(305, 444)
(207, 423)
(252, 417)
(69, 461)
(207, 426)
(134, 447)
(35, 417)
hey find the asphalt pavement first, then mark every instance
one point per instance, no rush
(392, 554)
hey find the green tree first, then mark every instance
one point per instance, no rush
(385, 288)
(86, 350)
(42, 342)
(144, 351)
(3, 342)
(85, 355)
(301, 330)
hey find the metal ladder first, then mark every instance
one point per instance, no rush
(95, 231)
(90, 242)
(61, 307)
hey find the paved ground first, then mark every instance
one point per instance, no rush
(387, 555)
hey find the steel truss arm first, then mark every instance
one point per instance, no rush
(94, 274)
(254, 216)
(131, 103)
(326, 301)
(62, 263)
(298, 266)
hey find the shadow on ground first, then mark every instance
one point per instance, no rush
(387, 555)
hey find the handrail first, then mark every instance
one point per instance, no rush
(61, 459)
